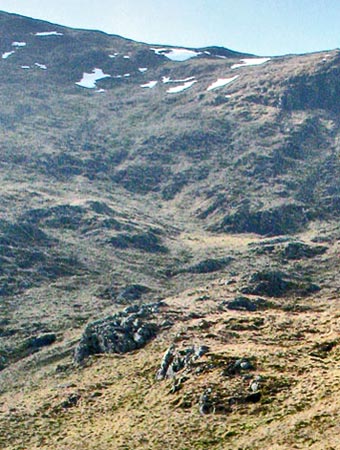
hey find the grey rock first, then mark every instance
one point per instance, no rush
(205, 403)
(120, 333)
(176, 360)
(240, 366)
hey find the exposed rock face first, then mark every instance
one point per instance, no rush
(121, 333)
(318, 91)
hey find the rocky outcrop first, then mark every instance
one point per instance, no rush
(148, 241)
(242, 303)
(277, 284)
(209, 265)
(282, 219)
(298, 250)
(287, 248)
(121, 333)
(317, 91)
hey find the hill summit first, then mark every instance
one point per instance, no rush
(169, 244)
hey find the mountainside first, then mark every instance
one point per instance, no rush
(169, 244)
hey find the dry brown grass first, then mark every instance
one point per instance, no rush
(122, 406)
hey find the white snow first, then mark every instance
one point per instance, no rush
(126, 57)
(182, 87)
(25, 67)
(89, 79)
(176, 54)
(150, 84)
(142, 69)
(250, 62)
(100, 91)
(48, 33)
(114, 55)
(7, 54)
(221, 82)
(18, 44)
(41, 66)
(126, 75)
(169, 80)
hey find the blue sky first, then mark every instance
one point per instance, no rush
(263, 27)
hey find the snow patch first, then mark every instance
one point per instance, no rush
(221, 82)
(176, 54)
(25, 67)
(182, 87)
(7, 54)
(100, 91)
(250, 62)
(126, 57)
(89, 79)
(150, 84)
(18, 44)
(48, 33)
(41, 66)
(114, 55)
(126, 75)
(142, 69)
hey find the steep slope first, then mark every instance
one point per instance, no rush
(133, 173)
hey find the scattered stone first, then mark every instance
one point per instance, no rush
(254, 397)
(238, 367)
(255, 384)
(167, 324)
(175, 360)
(205, 403)
(71, 401)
